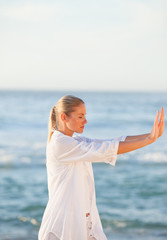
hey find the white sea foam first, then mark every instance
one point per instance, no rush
(153, 157)
(147, 157)
(26, 160)
(39, 145)
(28, 219)
(5, 157)
(119, 224)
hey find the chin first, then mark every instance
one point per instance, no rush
(80, 130)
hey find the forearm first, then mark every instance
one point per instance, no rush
(128, 146)
(137, 137)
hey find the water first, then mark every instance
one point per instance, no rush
(131, 197)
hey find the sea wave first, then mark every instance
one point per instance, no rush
(6, 157)
(153, 157)
(33, 221)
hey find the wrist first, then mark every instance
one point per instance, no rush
(150, 140)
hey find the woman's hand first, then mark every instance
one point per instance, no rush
(132, 143)
(155, 130)
(158, 128)
(161, 123)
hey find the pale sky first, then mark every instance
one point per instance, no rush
(117, 45)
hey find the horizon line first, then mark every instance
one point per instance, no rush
(80, 90)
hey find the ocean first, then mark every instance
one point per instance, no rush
(131, 197)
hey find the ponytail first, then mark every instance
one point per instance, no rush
(52, 122)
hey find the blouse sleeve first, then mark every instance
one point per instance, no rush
(69, 150)
(89, 140)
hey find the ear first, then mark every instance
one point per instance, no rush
(63, 117)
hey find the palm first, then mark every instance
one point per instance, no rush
(158, 127)
(155, 129)
(161, 124)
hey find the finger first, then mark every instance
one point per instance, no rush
(161, 117)
(162, 113)
(156, 122)
(160, 123)
(157, 117)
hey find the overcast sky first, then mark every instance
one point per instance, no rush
(83, 45)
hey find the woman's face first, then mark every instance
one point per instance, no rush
(76, 121)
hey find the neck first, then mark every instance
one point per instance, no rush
(66, 131)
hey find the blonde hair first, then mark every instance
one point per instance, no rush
(65, 104)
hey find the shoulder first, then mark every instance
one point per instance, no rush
(62, 141)
(59, 137)
(82, 138)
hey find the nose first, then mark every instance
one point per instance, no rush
(86, 121)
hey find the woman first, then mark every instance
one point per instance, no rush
(71, 212)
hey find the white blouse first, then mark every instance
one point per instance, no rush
(71, 185)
